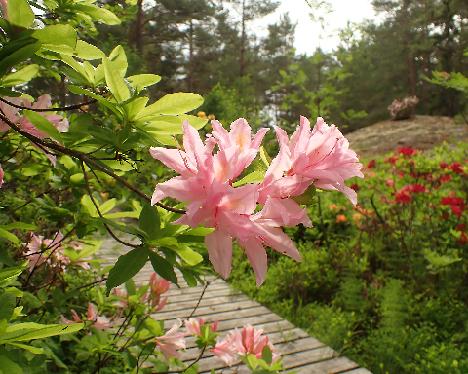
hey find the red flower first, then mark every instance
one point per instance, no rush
(450, 200)
(445, 178)
(443, 165)
(371, 164)
(403, 196)
(456, 204)
(355, 187)
(392, 160)
(456, 168)
(407, 151)
(463, 238)
(416, 188)
(389, 182)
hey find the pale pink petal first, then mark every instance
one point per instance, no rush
(178, 188)
(219, 247)
(242, 200)
(174, 159)
(276, 239)
(92, 312)
(1, 176)
(283, 212)
(257, 257)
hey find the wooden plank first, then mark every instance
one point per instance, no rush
(192, 302)
(238, 314)
(208, 295)
(335, 365)
(208, 310)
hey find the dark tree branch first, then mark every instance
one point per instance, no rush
(57, 109)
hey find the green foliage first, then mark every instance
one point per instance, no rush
(382, 283)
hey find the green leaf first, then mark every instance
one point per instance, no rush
(16, 52)
(52, 35)
(19, 226)
(149, 221)
(99, 14)
(267, 356)
(162, 267)
(126, 267)
(8, 366)
(177, 103)
(307, 198)
(187, 254)
(253, 177)
(141, 81)
(20, 13)
(29, 348)
(87, 51)
(21, 76)
(30, 331)
(43, 124)
(9, 236)
(88, 204)
(168, 124)
(115, 82)
(265, 157)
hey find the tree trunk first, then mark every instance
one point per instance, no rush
(243, 41)
(135, 36)
(190, 61)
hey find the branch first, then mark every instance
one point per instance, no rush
(87, 160)
(111, 233)
(58, 109)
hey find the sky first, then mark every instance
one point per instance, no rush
(308, 34)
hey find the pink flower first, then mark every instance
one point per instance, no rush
(172, 341)
(241, 343)
(319, 157)
(9, 112)
(4, 8)
(122, 295)
(158, 286)
(212, 202)
(194, 325)
(100, 322)
(237, 148)
(43, 102)
(50, 251)
(1, 176)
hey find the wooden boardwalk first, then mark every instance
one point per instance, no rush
(301, 353)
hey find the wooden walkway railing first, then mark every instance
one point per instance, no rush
(301, 353)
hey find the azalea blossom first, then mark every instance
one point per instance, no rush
(171, 341)
(99, 322)
(241, 343)
(205, 184)
(194, 326)
(1, 176)
(50, 251)
(320, 157)
(157, 287)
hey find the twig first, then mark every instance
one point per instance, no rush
(199, 300)
(111, 233)
(87, 160)
(58, 109)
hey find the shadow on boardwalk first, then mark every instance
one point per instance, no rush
(216, 300)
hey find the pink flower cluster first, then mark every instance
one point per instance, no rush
(39, 251)
(241, 343)
(157, 287)
(98, 322)
(318, 157)
(43, 102)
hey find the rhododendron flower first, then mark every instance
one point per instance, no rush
(457, 204)
(456, 167)
(40, 250)
(320, 156)
(443, 165)
(213, 202)
(371, 164)
(9, 112)
(403, 196)
(99, 322)
(241, 343)
(194, 326)
(237, 148)
(172, 341)
(157, 287)
(407, 151)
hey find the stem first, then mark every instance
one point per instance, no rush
(57, 109)
(87, 160)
